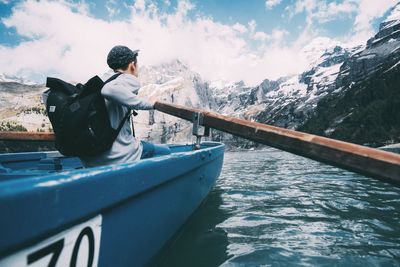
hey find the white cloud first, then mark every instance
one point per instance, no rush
(261, 36)
(63, 39)
(140, 5)
(394, 14)
(278, 35)
(272, 3)
(112, 8)
(321, 11)
(184, 7)
(239, 28)
(364, 12)
(302, 5)
(252, 26)
(328, 12)
(167, 2)
(367, 12)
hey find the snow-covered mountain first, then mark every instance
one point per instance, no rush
(4, 78)
(289, 101)
(174, 83)
(365, 105)
(349, 93)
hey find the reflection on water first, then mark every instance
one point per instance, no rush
(200, 242)
(271, 208)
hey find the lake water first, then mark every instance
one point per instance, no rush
(271, 208)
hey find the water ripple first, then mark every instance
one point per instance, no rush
(287, 210)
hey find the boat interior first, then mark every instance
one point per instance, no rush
(19, 165)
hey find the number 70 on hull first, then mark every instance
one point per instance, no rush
(77, 246)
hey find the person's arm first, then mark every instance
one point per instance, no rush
(124, 91)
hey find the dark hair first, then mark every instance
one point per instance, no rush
(125, 67)
(120, 57)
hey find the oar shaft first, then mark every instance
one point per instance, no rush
(27, 136)
(368, 161)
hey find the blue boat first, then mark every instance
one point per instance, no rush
(54, 212)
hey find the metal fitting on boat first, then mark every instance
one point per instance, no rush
(198, 129)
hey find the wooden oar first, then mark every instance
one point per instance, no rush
(367, 161)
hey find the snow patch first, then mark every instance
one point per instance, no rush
(394, 66)
(13, 79)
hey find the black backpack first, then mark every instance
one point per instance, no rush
(79, 117)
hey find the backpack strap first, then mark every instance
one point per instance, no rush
(121, 124)
(128, 113)
(115, 76)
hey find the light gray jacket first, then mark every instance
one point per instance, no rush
(121, 96)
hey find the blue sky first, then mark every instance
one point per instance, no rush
(219, 39)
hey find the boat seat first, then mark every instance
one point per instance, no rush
(50, 164)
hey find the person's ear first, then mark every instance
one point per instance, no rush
(132, 67)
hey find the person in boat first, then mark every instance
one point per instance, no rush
(120, 96)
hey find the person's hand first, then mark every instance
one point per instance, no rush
(153, 100)
(153, 103)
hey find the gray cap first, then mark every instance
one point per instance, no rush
(120, 56)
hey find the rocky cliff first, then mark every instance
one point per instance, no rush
(364, 108)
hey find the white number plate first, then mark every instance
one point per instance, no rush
(77, 246)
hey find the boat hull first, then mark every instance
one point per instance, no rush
(137, 207)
